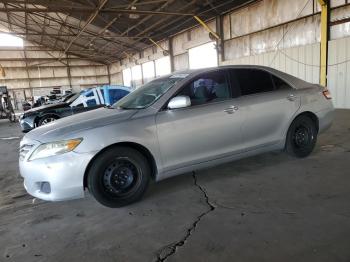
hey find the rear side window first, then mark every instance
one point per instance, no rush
(251, 81)
(279, 83)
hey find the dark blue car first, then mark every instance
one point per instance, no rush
(86, 100)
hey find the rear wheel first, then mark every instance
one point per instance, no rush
(119, 177)
(301, 137)
(47, 119)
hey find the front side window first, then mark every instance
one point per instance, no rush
(252, 81)
(209, 87)
(146, 95)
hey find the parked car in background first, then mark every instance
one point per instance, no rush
(86, 100)
(172, 125)
(26, 106)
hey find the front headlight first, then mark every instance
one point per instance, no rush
(55, 148)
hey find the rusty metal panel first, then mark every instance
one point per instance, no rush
(335, 3)
(59, 71)
(340, 30)
(88, 71)
(236, 48)
(302, 32)
(298, 33)
(266, 40)
(16, 73)
(117, 79)
(49, 82)
(339, 72)
(226, 27)
(267, 13)
(240, 24)
(15, 83)
(178, 42)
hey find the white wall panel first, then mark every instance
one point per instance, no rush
(301, 61)
(181, 62)
(117, 79)
(339, 72)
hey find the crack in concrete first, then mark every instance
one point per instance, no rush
(172, 248)
(246, 210)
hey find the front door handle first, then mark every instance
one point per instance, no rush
(231, 109)
(291, 97)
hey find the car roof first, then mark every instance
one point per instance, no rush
(292, 80)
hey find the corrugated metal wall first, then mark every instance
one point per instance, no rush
(339, 72)
(252, 35)
(301, 61)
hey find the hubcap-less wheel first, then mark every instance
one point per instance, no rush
(118, 176)
(121, 177)
(302, 136)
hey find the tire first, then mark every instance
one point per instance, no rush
(47, 119)
(301, 137)
(119, 177)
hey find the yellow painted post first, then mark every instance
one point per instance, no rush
(324, 41)
(159, 46)
(206, 27)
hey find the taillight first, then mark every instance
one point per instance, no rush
(327, 94)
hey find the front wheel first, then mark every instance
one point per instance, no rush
(47, 119)
(301, 137)
(119, 177)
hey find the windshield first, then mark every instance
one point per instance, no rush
(146, 95)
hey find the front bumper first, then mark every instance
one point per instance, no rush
(55, 178)
(26, 124)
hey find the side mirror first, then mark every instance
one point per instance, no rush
(179, 102)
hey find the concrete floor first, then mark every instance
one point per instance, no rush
(266, 208)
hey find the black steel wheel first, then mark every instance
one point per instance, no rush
(118, 177)
(301, 137)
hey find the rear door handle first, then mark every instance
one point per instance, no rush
(291, 97)
(231, 109)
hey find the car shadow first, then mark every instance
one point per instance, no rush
(236, 168)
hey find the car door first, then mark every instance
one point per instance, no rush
(267, 103)
(209, 129)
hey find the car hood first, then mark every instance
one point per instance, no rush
(68, 127)
(44, 107)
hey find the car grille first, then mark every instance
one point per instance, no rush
(23, 151)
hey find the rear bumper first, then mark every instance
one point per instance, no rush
(325, 118)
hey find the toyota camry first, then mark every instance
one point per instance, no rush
(175, 124)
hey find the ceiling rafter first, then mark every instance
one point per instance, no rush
(88, 22)
(104, 30)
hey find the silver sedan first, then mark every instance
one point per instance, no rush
(172, 125)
